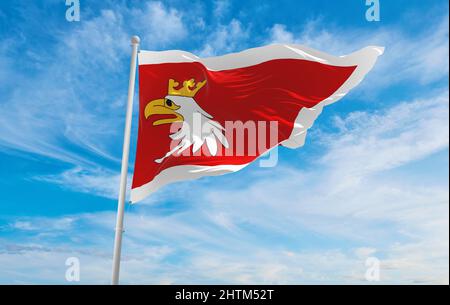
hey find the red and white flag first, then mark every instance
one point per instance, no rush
(211, 116)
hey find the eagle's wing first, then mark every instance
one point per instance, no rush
(212, 133)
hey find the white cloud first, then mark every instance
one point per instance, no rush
(319, 231)
(57, 108)
(352, 204)
(100, 182)
(72, 108)
(43, 224)
(226, 38)
(146, 260)
(80, 84)
(160, 25)
(365, 252)
(422, 58)
(375, 142)
(221, 7)
(279, 34)
(74, 103)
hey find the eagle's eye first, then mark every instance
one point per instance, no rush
(169, 103)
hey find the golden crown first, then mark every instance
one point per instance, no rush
(189, 89)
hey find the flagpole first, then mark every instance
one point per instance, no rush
(124, 169)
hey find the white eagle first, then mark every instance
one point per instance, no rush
(197, 126)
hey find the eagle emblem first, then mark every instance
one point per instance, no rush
(180, 107)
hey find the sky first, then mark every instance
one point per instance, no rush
(372, 180)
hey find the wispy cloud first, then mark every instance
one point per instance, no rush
(226, 38)
(369, 143)
(383, 214)
(74, 106)
(221, 7)
(57, 111)
(422, 58)
(160, 25)
(101, 182)
(359, 200)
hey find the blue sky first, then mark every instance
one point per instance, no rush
(372, 179)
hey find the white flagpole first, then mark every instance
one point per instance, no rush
(124, 170)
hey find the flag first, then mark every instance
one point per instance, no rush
(211, 116)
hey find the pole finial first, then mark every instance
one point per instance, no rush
(135, 40)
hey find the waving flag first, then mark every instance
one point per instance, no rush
(210, 116)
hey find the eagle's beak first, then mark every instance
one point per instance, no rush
(163, 107)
